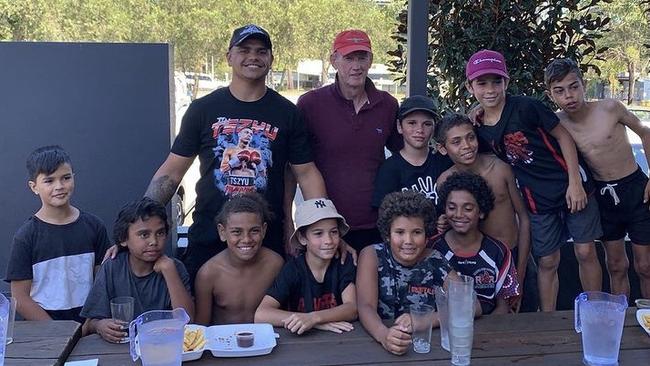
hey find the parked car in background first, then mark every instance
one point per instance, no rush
(206, 81)
(181, 91)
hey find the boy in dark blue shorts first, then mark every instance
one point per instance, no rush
(55, 252)
(415, 167)
(623, 190)
(526, 134)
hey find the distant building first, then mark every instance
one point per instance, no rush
(598, 89)
(308, 76)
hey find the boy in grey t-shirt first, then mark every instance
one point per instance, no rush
(141, 270)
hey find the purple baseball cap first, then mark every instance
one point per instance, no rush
(486, 62)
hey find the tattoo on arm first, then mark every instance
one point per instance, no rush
(161, 189)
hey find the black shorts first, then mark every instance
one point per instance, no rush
(622, 209)
(549, 231)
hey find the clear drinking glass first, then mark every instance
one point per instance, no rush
(461, 318)
(443, 316)
(122, 312)
(11, 319)
(4, 315)
(421, 321)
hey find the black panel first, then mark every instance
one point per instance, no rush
(108, 105)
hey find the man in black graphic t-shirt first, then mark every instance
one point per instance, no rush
(244, 136)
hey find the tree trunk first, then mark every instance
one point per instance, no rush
(282, 78)
(195, 87)
(323, 74)
(289, 74)
(631, 82)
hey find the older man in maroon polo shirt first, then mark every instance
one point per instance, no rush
(351, 122)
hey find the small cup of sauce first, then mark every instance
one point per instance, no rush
(245, 339)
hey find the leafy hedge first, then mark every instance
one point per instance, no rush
(530, 33)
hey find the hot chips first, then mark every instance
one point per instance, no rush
(193, 340)
(646, 320)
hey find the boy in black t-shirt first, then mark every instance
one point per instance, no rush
(415, 167)
(55, 252)
(526, 134)
(313, 290)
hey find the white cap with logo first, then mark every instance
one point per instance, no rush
(314, 210)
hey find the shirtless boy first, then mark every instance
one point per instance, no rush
(231, 285)
(508, 221)
(623, 191)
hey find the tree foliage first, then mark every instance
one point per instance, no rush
(199, 30)
(628, 42)
(529, 33)
(324, 19)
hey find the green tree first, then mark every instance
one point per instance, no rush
(322, 20)
(199, 30)
(72, 20)
(279, 18)
(108, 21)
(630, 31)
(529, 33)
(30, 20)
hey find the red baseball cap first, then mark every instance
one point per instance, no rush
(351, 40)
(486, 62)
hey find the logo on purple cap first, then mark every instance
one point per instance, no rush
(481, 60)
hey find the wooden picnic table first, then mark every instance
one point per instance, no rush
(42, 343)
(522, 339)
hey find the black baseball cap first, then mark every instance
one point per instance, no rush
(417, 103)
(241, 34)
